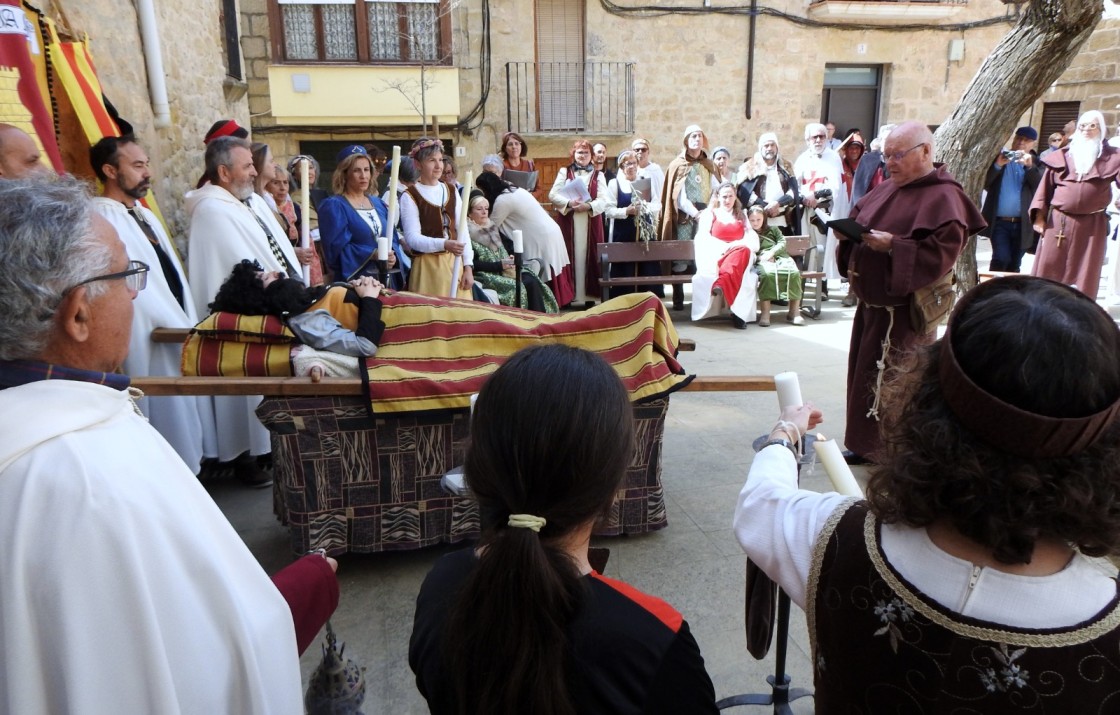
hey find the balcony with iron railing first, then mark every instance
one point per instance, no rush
(570, 97)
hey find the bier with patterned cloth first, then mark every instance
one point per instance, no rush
(435, 352)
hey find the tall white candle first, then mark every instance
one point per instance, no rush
(518, 241)
(393, 174)
(789, 390)
(843, 481)
(305, 207)
(382, 249)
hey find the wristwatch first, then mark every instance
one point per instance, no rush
(787, 444)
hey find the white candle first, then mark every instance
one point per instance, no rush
(474, 399)
(789, 390)
(518, 241)
(464, 200)
(305, 207)
(393, 173)
(382, 249)
(843, 481)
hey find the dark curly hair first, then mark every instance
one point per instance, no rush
(244, 293)
(1035, 345)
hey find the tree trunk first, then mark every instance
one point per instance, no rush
(1026, 61)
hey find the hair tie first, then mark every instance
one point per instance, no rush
(527, 521)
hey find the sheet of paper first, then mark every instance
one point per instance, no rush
(524, 179)
(645, 187)
(575, 190)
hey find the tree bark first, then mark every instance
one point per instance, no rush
(1022, 66)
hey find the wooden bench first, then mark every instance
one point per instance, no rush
(802, 250)
(640, 252)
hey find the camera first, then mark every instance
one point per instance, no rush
(785, 200)
(822, 194)
(1012, 155)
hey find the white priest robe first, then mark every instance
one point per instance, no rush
(223, 232)
(187, 423)
(123, 588)
(823, 172)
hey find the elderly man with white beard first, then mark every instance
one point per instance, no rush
(768, 177)
(1069, 207)
(820, 168)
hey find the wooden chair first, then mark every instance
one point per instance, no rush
(663, 252)
(803, 251)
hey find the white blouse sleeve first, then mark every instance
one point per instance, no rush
(410, 228)
(777, 524)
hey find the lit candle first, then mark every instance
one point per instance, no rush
(518, 241)
(383, 249)
(843, 481)
(393, 173)
(305, 206)
(789, 390)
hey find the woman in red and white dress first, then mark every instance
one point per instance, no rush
(726, 249)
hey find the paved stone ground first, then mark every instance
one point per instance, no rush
(695, 563)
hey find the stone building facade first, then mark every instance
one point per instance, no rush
(199, 88)
(685, 65)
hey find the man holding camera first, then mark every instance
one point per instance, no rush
(820, 173)
(1011, 182)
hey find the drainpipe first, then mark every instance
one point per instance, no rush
(750, 59)
(153, 59)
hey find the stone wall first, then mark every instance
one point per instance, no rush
(194, 65)
(1093, 78)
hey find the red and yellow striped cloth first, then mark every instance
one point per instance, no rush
(437, 352)
(231, 345)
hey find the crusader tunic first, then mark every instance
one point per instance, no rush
(1074, 210)
(930, 218)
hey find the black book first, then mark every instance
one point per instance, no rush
(851, 229)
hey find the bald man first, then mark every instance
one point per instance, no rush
(918, 221)
(19, 155)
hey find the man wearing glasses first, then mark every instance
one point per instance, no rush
(820, 174)
(1069, 207)
(918, 221)
(648, 169)
(123, 588)
(187, 423)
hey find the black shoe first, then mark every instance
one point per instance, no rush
(249, 472)
(678, 296)
(854, 459)
(738, 322)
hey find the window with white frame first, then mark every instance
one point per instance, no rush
(361, 31)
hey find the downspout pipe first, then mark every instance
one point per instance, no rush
(153, 59)
(750, 58)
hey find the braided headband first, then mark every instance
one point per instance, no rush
(422, 144)
(1003, 425)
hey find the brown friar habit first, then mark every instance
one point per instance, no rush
(675, 175)
(1074, 210)
(930, 219)
(881, 646)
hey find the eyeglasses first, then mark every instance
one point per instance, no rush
(135, 277)
(641, 149)
(900, 155)
(819, 136)
(1091, 125)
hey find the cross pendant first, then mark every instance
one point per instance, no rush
(1059, 237)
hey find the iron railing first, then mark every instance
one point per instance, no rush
(561, 97)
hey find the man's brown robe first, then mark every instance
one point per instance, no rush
(1075, 210)
(930, 219)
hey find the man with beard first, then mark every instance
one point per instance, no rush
(689, 183)
(599, 161)
(1069, 207)
(768, 178)
(187, 423)
(819, 169)
(230, 223)
(918, 222)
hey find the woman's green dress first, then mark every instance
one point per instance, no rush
(778, 279)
